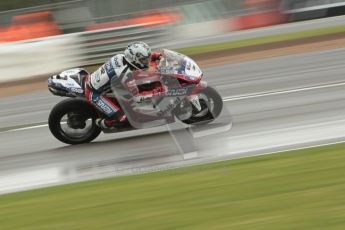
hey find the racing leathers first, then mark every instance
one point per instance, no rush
(117, 70)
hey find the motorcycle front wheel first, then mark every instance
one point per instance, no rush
(211, 107)
(72, 121)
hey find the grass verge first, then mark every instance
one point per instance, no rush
(261, 40)
(302, 189)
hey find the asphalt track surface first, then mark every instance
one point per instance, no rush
(276, 104)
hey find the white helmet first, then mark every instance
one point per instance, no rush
(138, 54)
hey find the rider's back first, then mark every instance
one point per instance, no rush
(115, 69)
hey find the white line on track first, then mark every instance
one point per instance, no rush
(26, 128)
(232, 98)
(272, 93)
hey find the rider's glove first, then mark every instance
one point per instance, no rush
(155, 56)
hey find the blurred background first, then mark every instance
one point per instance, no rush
(278, 65)
(85, 32)
(51, 17)
(21, 20)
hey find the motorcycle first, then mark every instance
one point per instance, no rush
(186, 98)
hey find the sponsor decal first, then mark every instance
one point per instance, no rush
(168, 71)
(109, 69)
(177, 92)
(189, 78)
(69, 84)
(116, 62)
(77, 90)
(104, 107)
(169, 108)
(131, 51)
(96, 76)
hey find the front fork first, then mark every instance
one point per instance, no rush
(194, 98)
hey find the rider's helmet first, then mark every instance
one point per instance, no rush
(138, 55)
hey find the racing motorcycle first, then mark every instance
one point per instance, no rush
(186, 98)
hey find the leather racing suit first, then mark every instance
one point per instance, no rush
(98, 84)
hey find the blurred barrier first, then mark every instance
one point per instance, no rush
(298, 10)
(29, 26)
(203, 29)
(36, 57)
(21, 60)
(100, 45)
(259, 20)
(148, 18)
(207, 17)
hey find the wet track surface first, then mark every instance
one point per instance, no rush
(276, 104)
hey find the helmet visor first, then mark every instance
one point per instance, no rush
(145, 61)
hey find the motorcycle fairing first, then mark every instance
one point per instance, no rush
(68, 83)
(160, 111)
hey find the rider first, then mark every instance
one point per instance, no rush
(137, 56)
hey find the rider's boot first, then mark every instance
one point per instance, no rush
(112, 123)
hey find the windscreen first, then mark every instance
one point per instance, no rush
(175, 63)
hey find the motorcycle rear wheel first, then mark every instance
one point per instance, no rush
(72, 121)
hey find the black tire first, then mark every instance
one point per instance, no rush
(68, 106)
(210, 93)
